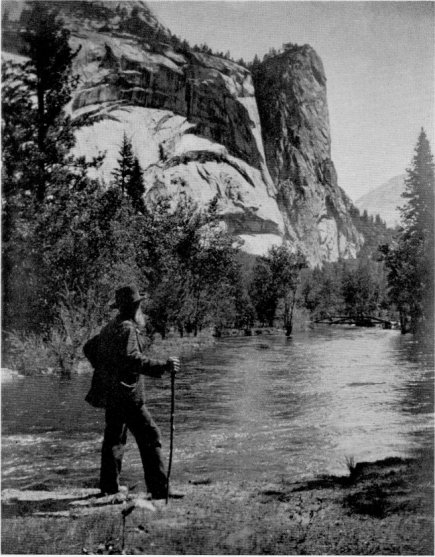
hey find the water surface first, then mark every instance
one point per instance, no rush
(263, 407)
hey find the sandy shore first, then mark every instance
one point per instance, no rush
(382, 508)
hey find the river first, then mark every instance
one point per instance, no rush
(261, 407)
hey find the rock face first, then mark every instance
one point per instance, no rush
(291, 96)
(195, 126)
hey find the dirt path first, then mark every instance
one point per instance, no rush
(382, 508)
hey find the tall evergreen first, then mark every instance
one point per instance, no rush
(122, 174)
(50, 79)
(411, 260)
(136, 187)
(128, 175)
(38, 165)
(418, 213)
(418, 233)
(18, 130)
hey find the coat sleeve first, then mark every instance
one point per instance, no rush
(137, 362)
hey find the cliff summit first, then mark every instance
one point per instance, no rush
(204, 126)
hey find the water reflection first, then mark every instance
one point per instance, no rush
(249, 407)
(417, 362)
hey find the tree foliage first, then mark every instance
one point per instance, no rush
(122, 173)
(352, 288)
(410, 258)
(321, 290)
(374, 230)
(361, 288)
(69, 240)
(48, 79)
(37, 138)
(128, 175)
(418, 212)
(276, 279)
(193, 267)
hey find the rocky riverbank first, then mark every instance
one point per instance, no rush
(381, 508)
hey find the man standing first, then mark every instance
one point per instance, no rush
(117, 355)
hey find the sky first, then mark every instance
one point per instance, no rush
(378, 59)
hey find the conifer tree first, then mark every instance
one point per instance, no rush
(135, 186)
(18, 130)
(37, 135)
(128, 175)
(50, 79)
(418, 213)
(41, 176)
(418, 233)
(122, 174)
(411, 260)
(37, 138)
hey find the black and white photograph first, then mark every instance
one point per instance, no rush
(217, 307)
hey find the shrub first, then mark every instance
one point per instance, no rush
(28, 353)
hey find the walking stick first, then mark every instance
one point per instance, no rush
(171, 443)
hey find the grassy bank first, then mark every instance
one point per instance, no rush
(381, 508)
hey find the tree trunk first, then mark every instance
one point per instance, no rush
(288, 315)
(402, 318)
(40, 187)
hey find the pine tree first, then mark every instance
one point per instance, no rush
(418, 233)
(122, 174)
(411, 260)
(256, 62)
(418, 214)
(128, 175)
(18, 130)
(37, 138)
(50, 79)
(135, 186)
(37, 135)
(45, 185)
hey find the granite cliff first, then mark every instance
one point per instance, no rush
(196, 129)
(291, 96)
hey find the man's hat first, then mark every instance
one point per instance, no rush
(126, 296)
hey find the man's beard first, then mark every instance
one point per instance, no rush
(139, 317)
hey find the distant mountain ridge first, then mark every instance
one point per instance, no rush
(385, 200)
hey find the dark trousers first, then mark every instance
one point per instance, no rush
(138, 420)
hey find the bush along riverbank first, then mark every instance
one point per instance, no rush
(384, 508)
(30, 355)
